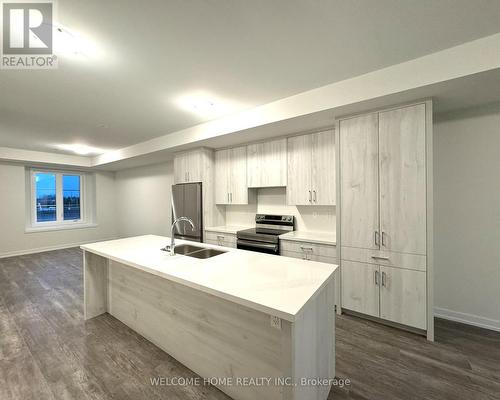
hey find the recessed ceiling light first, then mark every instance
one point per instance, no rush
(80, 149)
(206, 105)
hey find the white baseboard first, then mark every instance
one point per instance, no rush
(468, 319)
(50, 248)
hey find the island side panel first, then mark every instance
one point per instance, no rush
(313, 337)
(95, 285)
(212, 336)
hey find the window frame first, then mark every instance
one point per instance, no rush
(60, 221)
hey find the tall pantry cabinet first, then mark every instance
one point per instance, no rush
(386, 215)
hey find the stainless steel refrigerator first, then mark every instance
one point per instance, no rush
(187, 202)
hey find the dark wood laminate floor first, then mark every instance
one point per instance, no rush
(47, 351)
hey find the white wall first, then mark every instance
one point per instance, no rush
(13, 238)
(273, 201)
(145, 200)
(467, 216)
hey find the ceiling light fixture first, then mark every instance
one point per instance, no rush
(80, 149)
(206, 105)
(68, 43)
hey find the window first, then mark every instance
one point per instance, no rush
(71, 197)
(56, 198)
(45, 197)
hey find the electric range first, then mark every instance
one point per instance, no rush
(264, 238)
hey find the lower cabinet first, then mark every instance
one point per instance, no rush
(394, 294)
(360, 287)
(221, 239)
(403, 296)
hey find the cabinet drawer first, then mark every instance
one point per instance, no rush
(388, 258)
(322, 250)
(309, 257)
(222, 243)
(221, 239)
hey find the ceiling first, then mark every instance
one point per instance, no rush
(249, 53)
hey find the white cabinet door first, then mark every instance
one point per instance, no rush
(403, 296)
(323, 168)
(222, 179)
(359, 182)
(360, 287)
(180, 168)
(194, 172)
(403, 179)
(266, 164)
(238, 193)
(187, 167)
(298, 190)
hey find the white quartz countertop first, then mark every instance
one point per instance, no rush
(311, 237)
(227, 229)
(279, 286)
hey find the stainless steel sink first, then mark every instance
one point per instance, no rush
(205, 253)
(196, 251)
(185, 249)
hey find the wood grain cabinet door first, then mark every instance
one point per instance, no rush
(238, 193)
(360, 287)
(403, 179)
(180, 168)
(403, 296)
(222, 176)
(194, 166)
(323, 168)
(266, 164)
(298, 190)
(359, 177)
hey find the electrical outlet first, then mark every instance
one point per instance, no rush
(275, 322)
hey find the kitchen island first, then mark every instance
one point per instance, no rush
(256, 325)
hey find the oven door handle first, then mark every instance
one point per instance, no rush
(258, 245)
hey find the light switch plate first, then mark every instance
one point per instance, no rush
(275, 322)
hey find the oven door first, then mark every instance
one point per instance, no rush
(261, 247)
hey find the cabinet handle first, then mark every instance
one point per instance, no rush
(220, 237)
(380, 258)
(310, 197)
(231, 195)
(384, 279)
(376, 277)
(383, 236)
(185, 176)
(306, 248)
(377, 238)
(314, 193)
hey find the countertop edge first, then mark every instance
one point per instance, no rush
(230, 229)
(307, 240)
(238, 300)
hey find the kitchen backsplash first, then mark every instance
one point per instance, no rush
(273, 201)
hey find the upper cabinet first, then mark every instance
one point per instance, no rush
(311, 169)
(266, 164)
(187, 167)
(359, 181)
(383, 181)
(198, 165)
(403, 180)
(231, 176)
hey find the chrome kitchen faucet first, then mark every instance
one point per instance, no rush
(171, 248)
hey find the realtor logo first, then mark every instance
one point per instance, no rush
(27, 36)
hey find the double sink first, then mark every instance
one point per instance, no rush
(196, 251)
